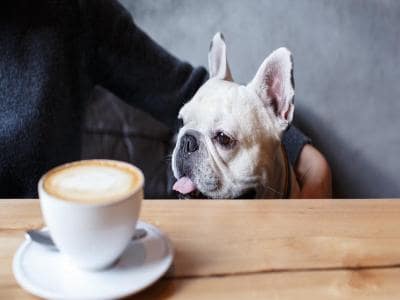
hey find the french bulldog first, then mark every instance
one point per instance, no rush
(230, 142)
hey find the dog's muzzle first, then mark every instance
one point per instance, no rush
(186, 159)
(188, 144)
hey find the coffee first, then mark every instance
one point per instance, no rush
(92, 181)
(89, 205)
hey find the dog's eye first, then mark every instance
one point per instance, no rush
(224, 140)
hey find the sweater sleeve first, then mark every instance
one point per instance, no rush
(294, 140)
(123, 59)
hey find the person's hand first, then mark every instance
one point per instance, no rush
(313, 174)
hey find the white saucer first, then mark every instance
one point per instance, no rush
(48, 274)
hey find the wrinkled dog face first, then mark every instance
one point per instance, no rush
(231, 133)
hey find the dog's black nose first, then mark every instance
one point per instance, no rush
(189, 143)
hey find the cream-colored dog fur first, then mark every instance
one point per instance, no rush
(237, 130)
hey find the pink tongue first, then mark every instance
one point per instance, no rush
(184, 185)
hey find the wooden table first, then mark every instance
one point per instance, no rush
(259, 249)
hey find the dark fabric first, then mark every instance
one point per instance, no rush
(113, 129)
(52, 53)
(294, 140)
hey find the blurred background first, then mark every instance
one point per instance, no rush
(347, 74)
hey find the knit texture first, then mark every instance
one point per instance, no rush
(293, 141)
(52, 54)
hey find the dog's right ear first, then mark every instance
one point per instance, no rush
(217, 60)
(274, 84)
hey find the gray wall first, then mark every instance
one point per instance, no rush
(347, 71)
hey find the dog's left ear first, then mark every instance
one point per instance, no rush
(217, 60)
(274, 84)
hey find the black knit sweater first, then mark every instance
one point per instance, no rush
(52, 53)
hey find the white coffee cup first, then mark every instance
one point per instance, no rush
(91, 208)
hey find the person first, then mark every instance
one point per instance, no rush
(313, 174)
(312, 170)
(52, 54)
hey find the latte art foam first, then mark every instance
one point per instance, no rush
(93, 181)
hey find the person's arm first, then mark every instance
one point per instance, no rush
(127, 62)
(313, 174)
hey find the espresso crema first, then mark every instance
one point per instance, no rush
(92, 181)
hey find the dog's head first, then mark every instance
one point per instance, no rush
(231, 133)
